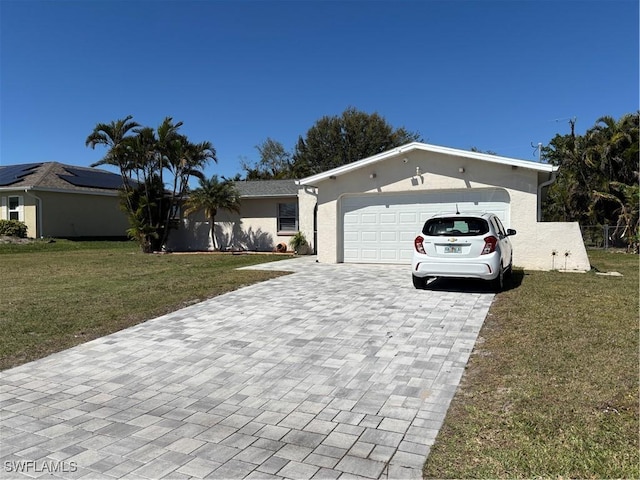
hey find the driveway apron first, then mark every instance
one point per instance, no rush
(334, 371)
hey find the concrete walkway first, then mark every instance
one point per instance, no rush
(336, 371)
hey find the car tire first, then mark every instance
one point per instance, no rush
(419, 282)
(509, 270)
(497, 284)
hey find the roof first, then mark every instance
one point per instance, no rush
(54, 176)
(425, 147)
(267, 188)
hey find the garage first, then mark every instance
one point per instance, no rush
(380, 228)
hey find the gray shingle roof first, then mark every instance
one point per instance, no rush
(267, 188)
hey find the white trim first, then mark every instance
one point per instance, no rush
(112, 193)
(417, 146)
(3, 209)
(19, 210)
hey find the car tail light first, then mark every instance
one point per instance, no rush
(418, 244)
(490, 243)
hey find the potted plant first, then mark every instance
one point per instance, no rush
(299, 244)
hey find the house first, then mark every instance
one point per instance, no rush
(65, 201)
(270, 214)
(370, 211)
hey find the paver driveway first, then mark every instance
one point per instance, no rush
(332, 372)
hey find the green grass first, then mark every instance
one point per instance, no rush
(56, 295)
(551, 389)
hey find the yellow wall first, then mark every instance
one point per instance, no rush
(72, 215)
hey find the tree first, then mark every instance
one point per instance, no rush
(146, 158)
(115, 136)
(210, 196)
(339, 140)
(274, 163)
(597, 182)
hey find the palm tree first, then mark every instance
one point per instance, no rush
(119, 154)
(211, 195)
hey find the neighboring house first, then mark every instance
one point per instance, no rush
(65, 201)
(269, 215)
(370, 211)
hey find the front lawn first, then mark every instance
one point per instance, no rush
(56, 295)
(551, 389)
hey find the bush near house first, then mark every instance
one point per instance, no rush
(13, 228)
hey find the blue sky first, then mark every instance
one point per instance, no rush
(496, 75)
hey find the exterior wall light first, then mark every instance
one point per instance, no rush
(373, 175)
(461, 170)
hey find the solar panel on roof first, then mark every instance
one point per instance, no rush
(15, 173)
(92, 178)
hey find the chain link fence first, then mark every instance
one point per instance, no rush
(603, 236)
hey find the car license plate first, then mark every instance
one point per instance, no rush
(452, 249)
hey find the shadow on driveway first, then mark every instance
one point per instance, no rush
(471, 285)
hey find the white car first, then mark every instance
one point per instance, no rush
(463, 246)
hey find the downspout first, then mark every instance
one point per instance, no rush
(38, 212)
(540, 187)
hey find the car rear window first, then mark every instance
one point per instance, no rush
(460, 226)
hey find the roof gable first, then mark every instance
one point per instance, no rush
(424, 147)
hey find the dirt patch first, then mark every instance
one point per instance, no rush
(16, 240)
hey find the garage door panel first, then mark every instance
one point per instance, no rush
(388, 218)
(369, 236)
(388, 255)
(351, 237)
(380, 228)
(388, 236)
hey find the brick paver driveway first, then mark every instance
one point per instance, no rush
(334, 371)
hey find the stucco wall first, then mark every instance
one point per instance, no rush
(420, 171)
(255, 228)
(536, 251)
(75, 215)
(72, 215)
(28, 210)
(307, 200)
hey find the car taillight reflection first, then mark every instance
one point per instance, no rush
(490, 243)
(417, 243)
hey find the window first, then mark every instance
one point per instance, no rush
(460, 226)
(288, 217)
(15, 208)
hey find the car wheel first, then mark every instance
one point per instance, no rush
(509, 270)
(497, 284)
(419, 282)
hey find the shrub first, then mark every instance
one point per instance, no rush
(13, 228)
(298, 242)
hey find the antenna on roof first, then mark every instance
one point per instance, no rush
(537, 149)
(457, 211)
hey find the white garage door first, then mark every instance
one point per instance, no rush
(380, 228)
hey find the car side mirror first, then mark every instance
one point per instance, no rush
(510, 231)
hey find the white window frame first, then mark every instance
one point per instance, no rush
(281, 217)
(19, 210)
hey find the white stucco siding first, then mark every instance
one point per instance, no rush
(307, 198)
(433, 172)
(552, 246)
(423, 172)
